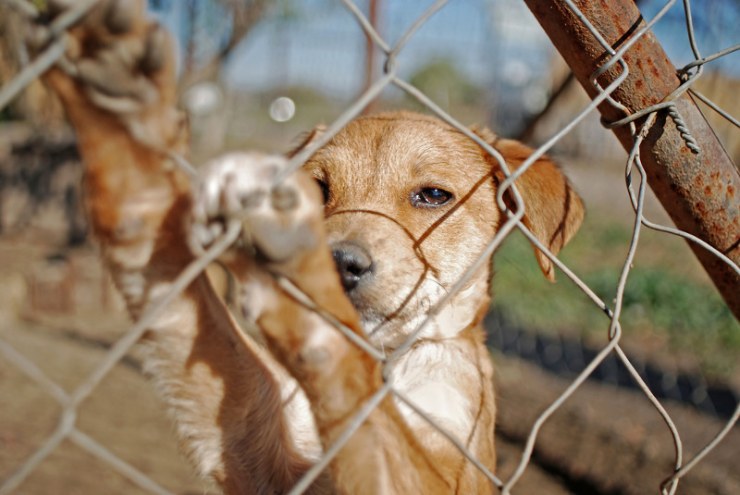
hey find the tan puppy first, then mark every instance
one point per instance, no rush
(409, 204)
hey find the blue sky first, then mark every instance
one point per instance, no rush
(326, 46)
(488, 40)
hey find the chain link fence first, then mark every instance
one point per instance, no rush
(639, 125)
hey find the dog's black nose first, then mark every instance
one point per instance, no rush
(353, 262)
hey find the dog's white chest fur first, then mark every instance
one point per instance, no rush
(431, 376)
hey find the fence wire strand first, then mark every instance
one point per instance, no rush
(71, 402)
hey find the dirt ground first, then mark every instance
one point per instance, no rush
(608, 440)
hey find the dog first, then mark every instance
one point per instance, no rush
(375, 230)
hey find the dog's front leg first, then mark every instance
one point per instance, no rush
(286, 271)
(118, 89)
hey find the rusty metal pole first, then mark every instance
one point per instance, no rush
(699, 191)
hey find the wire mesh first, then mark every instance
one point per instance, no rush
(684, 462)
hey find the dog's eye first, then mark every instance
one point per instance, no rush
(430, 197)
(324, 189)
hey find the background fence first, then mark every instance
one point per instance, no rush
(299, 63)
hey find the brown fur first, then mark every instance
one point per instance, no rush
(226, 393)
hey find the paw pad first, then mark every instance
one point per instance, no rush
(284, 198)
(240, 186)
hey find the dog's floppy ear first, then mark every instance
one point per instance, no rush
(553, 210)
(305, 139)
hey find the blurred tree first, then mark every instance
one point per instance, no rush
(444, 83)
(208, 40)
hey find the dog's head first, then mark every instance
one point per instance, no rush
(410, 203)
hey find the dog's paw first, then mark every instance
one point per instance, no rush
(278, 221)
(123, 64)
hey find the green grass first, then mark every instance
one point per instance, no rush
(667, 298)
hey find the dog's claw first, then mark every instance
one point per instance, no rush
(284, 198)
(252, 200)
(119, 16)
(155, 51)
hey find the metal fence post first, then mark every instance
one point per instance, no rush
(698, 190)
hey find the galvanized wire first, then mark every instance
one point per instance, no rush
(66, 429)
(71, 402)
